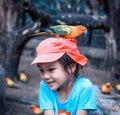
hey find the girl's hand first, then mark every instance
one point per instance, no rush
(49, 112)
(82, 112)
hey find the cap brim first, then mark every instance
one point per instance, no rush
(45, 58)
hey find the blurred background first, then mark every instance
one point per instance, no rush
(21, 18)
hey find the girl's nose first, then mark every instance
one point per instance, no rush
(46, 76)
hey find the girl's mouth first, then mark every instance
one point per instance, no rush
(50, 83)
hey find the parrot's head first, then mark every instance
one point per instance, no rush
(32, 106)
(108, 84)
(82, 28)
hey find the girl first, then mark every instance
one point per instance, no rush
(62, 90)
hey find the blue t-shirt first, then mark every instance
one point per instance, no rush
(81, 98)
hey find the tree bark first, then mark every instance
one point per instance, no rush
(2, 87)
(94, 22)
(10, 10)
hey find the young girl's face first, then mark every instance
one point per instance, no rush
(53, 74)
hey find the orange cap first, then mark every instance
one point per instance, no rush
(52, 49)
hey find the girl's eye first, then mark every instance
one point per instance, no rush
(51, 69)
(41, 70)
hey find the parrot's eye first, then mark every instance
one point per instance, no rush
(83, 27)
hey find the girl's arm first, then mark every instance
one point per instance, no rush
(49, 112)
(82, 112)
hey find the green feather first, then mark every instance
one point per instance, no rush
(61, 29)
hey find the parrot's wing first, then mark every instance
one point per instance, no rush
(61, 29)
(39, 34)
(49, 30)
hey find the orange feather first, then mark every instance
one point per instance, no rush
(65, 31)
(106, 88)
(11, 83)
(75, 31)
(35, 109)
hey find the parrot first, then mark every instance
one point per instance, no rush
(11, 83)
(35, 109)
(106, 88)
(65, 31)
(117, 87)
(23, 77)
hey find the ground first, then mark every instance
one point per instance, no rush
(19, 100)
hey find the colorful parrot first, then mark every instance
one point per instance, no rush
(106, 88)
(23, 77)
(65, 31)
(35, 109)
(11, 83)
(117, 87)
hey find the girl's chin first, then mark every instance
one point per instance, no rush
(52, 86)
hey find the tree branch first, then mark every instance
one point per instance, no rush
(22, 101)
(94, 22)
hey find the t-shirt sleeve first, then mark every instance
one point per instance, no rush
(87, 98)
(45, 97)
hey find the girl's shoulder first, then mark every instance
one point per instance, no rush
(42, 82)
(84, 82)
(43, 85)
(83, 79)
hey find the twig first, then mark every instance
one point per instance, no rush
(22, 101)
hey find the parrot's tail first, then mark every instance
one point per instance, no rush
(39, 34)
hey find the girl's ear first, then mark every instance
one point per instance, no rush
(71, 68)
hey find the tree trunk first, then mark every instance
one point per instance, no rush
(113, 40)
(8, 22)
(2, 87)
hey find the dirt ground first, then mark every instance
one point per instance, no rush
(19, 100)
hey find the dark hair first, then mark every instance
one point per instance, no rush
(66, 61)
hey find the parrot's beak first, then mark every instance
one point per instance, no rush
(85, 32)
